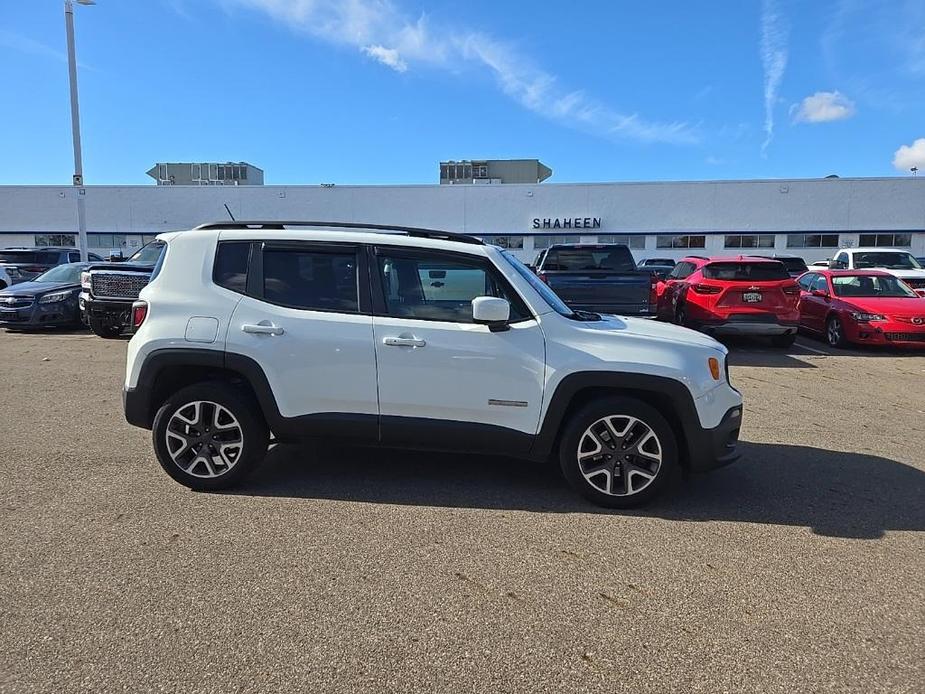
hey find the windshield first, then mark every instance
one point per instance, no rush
(894, 260)
(549, 296)
(746, 272)
(148, 254)
(70, 273)
(865, 285)
(29, 257)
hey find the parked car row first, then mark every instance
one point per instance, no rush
(48, 288)
(756, 296)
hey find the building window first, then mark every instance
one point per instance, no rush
(886, 240)
(55, 240)
(512, 242)
(480, 171)
(812, 241)
(630, 240)
(106, 241)
(749, 241)
(686, 241)
(547, 241)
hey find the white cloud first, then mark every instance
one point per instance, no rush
(386, 56)
(823, 107)
(774, 61)
(380, 30)
(908, 156)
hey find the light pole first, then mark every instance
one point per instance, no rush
(78, 180)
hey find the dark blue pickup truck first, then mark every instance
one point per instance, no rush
(598, 277)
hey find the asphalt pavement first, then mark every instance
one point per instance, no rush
(799, 568)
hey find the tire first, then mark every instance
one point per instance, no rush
(784, 340)
(612, 417)
(104, 330)
(240, 420)
(680, 315)
(835, 332)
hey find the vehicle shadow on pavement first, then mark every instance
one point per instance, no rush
(834, 494)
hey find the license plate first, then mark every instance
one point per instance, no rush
(752, 297)
(8, 315)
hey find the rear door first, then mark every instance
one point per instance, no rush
(306, 323)
(445, 381)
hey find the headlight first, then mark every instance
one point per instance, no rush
(54, 297)
(866, 317)
(84, 280)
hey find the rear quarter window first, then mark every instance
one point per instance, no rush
(230, 270)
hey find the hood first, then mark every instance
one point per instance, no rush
(644, 327)
(36, 288)
(889, 306)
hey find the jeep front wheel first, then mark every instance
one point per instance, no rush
(209, 436)
(618, 452)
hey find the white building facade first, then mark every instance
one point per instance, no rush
(805, 217)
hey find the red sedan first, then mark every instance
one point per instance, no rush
(862, 307)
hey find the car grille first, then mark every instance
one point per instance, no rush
(905, 337)
(10, 302)
(117, 285)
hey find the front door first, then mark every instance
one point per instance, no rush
(444, 381)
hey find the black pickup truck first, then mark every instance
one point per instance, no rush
(597, 277)
(110, 289)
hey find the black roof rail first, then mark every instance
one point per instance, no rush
(417, 232)
(699, 257)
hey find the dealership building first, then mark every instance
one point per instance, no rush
(806, 217)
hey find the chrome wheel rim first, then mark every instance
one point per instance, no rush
(834, 332)
(619, 455)
(204, 439)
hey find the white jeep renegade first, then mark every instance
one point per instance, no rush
(409, 338)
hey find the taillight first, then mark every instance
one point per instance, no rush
(139, 313)
(706, 289)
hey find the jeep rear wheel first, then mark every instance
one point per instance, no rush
(209, 436)
(618, 452)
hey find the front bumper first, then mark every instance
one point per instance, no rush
(886, 333)
(114, 312)
(40, 315)
(716, 447)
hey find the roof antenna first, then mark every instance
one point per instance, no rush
(228, 210)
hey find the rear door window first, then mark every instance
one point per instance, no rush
(311, 279)
(746, 272)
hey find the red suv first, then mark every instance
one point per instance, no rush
(741, 295)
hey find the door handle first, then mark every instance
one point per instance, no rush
(403, 342)
(262, 329)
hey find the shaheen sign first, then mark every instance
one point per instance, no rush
(567, 223)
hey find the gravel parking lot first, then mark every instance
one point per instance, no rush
(800, 568)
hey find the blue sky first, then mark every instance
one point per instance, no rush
(367, 91)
